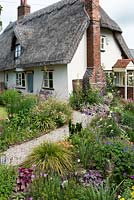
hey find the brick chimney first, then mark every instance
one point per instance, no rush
(94, 74)
(23, 9)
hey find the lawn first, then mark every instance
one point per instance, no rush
(3, 113)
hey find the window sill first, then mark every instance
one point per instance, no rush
(103, 50)
(22, 88)
(48, 88)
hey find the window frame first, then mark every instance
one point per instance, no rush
(103, 43)
(18, 51)
(20, 80)
(48, 79)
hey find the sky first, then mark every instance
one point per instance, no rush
(122, 11)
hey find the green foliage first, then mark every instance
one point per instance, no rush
(3, 113)
(106, 127)
(110, 86)
(48, 188)
(80, 98)
(16, 103)
(128, 119)
(76, 99)
(115, 158)
(51, 158)
(85, 147)
(53, 189)
(7, 181)
(32, 118)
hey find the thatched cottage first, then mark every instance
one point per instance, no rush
(50, 49)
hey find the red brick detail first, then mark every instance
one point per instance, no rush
(93, 43)
(122, 63)
(130, 91)
(23, 10)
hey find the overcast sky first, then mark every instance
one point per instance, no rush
(122, 11)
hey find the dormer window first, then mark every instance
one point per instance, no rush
(103, 43)
(18, 51)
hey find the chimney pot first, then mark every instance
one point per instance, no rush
(23, 9)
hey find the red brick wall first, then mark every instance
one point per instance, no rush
(23, 10)
(130, 91)
(93, 43)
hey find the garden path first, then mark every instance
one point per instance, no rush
(15, 155)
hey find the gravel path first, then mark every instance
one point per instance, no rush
(16, 155)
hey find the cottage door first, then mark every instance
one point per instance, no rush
(30, 82)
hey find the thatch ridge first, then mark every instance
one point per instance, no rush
(50, 35)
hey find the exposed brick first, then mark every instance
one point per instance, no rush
(97, 77)
(23, 9)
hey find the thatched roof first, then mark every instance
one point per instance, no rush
(50, 35)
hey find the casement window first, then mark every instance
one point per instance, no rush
(20, 79)
(18, 51)
(119, 78)
(103, 43)
(130, 79)
(48, 79)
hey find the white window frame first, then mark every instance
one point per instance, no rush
(103, 43)
(120, 79)
(130, 78)
(20, 81)
(18, 51)
(48, 79)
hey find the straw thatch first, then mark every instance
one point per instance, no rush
(50, 35)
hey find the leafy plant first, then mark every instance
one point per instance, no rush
(106, 127)
(51, 158)
(7, 181)
(93, 178)
(80, 98)
(128, 119)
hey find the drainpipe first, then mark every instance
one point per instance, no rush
(125, 84)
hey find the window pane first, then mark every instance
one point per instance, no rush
(46, 83)
(23, 83)
(51, 83)
(50, 75)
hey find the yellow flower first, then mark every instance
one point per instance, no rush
(122, 199)
(133, 187)
(132, 194)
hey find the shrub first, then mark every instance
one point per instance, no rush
(51, 158)
(80, 98)
(17, 103)
(45, 188)
(128, 119)
(106, 127)
(7, 181)
(33, 119)
(115, 158)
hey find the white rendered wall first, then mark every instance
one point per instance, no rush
(11, 79)
(59, 80)
(112, 51)
(78, 65)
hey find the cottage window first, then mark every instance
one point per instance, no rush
(103, 43)
(130, 79)
(48, 79)
(17, 51)
(119, 78)
(20, 79)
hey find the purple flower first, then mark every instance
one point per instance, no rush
(132, 177)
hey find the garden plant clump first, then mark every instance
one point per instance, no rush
(29, 117)
(95, 162)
